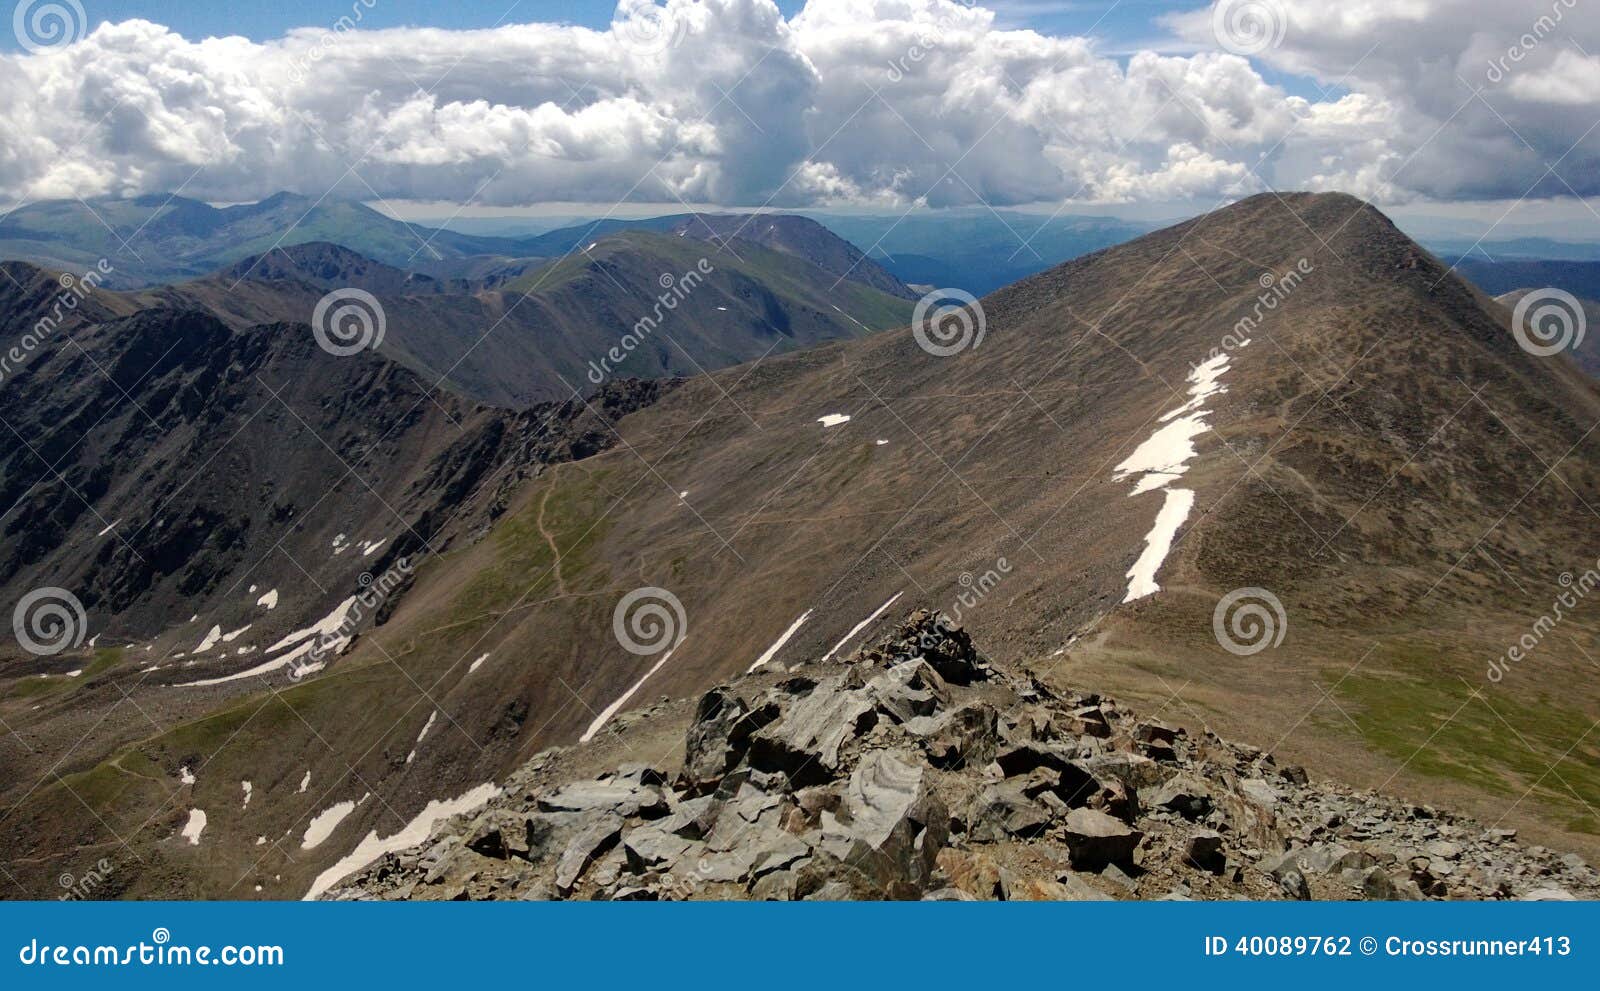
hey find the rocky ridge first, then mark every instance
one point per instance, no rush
(920, 769)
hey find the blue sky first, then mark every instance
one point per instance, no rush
(1125, 25)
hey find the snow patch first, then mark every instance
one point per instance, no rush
(833, 419)
(248, 790)
(861, 626)
(412, 834)
(194, 827)
(475, 665)
(212, 636)
(622, 700)
(1164, 458)
(305, 783)
(185, 775)
(324, 823)
(109, 527)
(269, 600)
(772, 651)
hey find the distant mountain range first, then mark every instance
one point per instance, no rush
(1084, 483)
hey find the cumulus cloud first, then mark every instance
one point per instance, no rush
(888, 102)
(1470, 100)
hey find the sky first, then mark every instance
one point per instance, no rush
(1461, 108)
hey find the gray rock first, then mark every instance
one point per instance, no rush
(947, 895)
(1183, 794)
(891, 828)
(620, 798)
(717, 737)
(1002, 810)
(804, 742)
(590, 842)
(652, 848)
(1095, 840)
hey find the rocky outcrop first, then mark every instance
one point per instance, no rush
(918, 769)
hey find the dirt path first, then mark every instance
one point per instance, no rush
(555, 552)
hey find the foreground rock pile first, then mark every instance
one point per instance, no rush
(917, 769)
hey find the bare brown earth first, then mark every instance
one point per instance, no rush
(1406, 481)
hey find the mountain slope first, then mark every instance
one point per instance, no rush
(673, 306)
(1380, 456)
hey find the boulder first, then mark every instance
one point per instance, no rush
(1002, 810)
(1183, 794)
(974, 873)
(1095, 840)
(891, 828)
(717, 737)
(618, 798)
(591, 842)
(804, 743)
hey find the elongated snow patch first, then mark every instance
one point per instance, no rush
(324, 823)
(860, 626)
(413, 833)
(622, 700)
(833, 419)
(1162, 459)
(772, 651)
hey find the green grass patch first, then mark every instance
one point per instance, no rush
(1503, 742)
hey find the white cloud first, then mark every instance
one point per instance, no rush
(887, 102)
(1422, 61)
